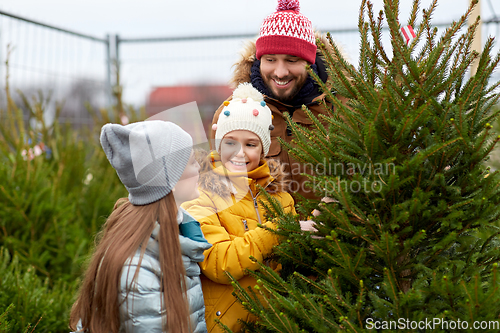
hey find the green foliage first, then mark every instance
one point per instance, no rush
(5, 325)
(53, 202)
(57, 189)
(28, 302)
(410, 228)
(494, 159)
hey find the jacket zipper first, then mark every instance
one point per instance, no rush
(255, 205)
(245, 224)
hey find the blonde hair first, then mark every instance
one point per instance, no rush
(128, 228)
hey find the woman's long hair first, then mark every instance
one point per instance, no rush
(128, 228)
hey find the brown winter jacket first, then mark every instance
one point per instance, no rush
(242, 74)
(229, 211)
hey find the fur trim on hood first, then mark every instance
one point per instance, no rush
(243, 66)
(218, 184)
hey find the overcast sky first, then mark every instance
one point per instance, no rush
(132, 18)
(164, 18)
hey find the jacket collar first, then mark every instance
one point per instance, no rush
(308, 92)
(215, 179)
(190, 248)
(241, 182)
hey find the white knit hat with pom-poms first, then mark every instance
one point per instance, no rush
(246, 111)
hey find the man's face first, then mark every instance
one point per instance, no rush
(283, 74)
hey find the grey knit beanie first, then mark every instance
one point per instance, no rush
(149, 157)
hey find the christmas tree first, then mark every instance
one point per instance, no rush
(408, 231)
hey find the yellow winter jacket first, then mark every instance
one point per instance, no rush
(229, 210)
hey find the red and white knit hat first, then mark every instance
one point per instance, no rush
(287, 32)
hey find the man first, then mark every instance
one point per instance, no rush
(276, 65)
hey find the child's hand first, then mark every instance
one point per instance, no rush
(308, 226)
(325, 200)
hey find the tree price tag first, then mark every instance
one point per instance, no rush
(408, 34)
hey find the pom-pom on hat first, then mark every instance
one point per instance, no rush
(149, 157)
(246, 111)
(287, 31)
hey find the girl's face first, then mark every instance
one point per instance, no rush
(240, 151)
(186, 188)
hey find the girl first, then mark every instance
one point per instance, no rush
(143, 275)
(228, 207)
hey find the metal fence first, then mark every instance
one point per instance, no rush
(58, 64)
(77, 68)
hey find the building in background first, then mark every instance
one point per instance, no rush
(207, 97)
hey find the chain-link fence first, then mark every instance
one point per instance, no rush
(56, 64)
(77, 69)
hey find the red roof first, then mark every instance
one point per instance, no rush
(174, 96)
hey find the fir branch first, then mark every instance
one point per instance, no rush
(340, 127)
(413, 14)
(427, 152)
(437, 67)
(391, 87)
(429, 45)
(334, 64)
(440, 70)
(485, 152)
(345, 222)
(491, 104)
(458, 73)
(458, 59)
(345, 71)
(371, 139)
(343, 139)
(348, 116)
(319, 126)
(345, 264)
(293, 258)
(391, 285)
(486, 72)
(457, 25)
(376, 30)
(271, 277)
(410, 65)
(356, 77)
(363, 29)
(392, 11)
(421, 110)
(271, 306)
(378, 42)
(365, 55)
(464, 286)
